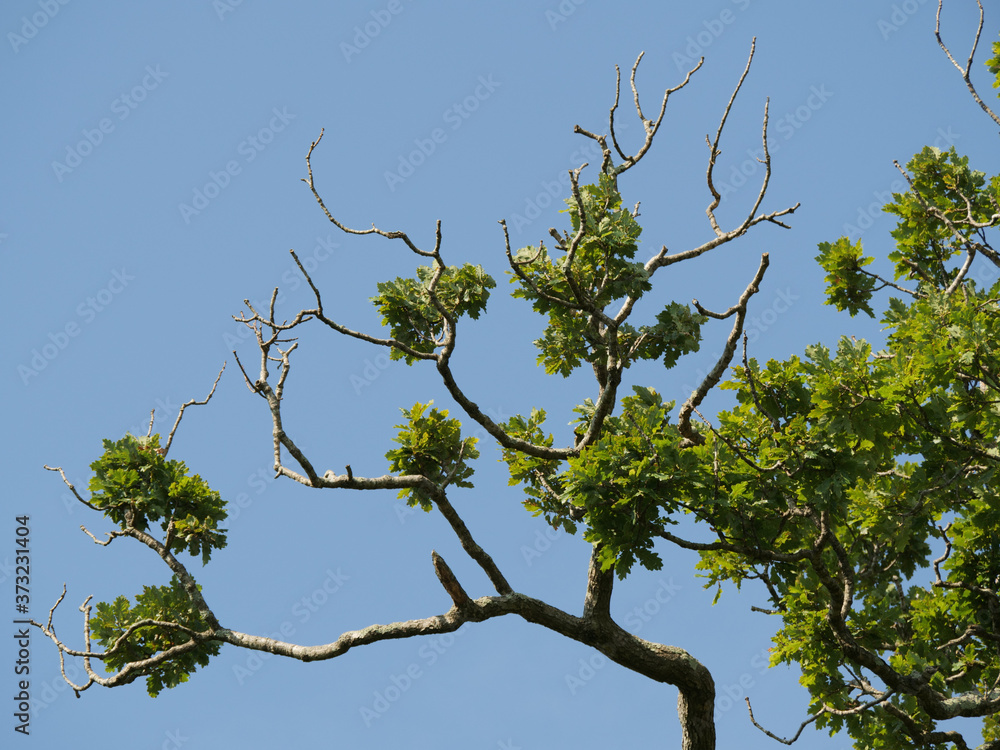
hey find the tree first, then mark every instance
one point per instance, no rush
(839, 481)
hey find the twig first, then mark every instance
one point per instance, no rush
(715, 375)
(713, 146)
(70, 485)
(192, 402)
(968, 65)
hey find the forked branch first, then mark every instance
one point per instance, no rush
(967, 70)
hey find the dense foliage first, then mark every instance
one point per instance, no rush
(858, 487)
(135, 484)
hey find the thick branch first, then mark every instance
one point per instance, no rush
(600, 583)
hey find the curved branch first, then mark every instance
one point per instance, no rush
(192, 402)
(713, 146)
(715, 375)
(374, 230)
(782, 740)
(649, 126)
(968, 64)
(72, 487)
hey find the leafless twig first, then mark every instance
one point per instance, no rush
(192, 402)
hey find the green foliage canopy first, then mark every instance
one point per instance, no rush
(859, 487)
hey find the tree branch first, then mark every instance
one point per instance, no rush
(968, 65)
(715, 375)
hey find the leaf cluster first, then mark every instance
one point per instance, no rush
(416, 309)
(633, 481)
(848, 286)
(993, 65)
(595, 269)
(945, 194)
(539, 476)
(431, 446)
(856, 460)
(625, 487)
(136, 485)
(158, 611)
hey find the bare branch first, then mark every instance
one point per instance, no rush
(112, 535)
(969, 257)
(374, 230)
(69, 484)
(783, 741)
(192, 402)
(713, 146)
(715, 375)
(649, 126)
(469, 544)
(448, 580)
(965, 73)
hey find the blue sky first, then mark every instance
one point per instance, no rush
(152, 162)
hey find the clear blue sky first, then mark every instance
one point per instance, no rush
(151, 181)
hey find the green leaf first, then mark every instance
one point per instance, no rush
(165, 604)
(431, 446)
(848, 287)
(407, 305)
(134, 478)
